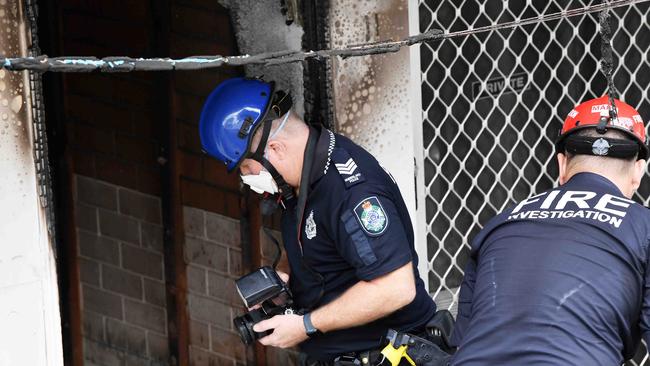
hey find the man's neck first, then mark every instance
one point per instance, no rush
(301, 146)
(620, 181)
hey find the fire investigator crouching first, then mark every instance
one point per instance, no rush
(345, 227)
(562, 278)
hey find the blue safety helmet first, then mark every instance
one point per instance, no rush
(234, 110)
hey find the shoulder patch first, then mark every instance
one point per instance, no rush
(372, 216)
(347, 167)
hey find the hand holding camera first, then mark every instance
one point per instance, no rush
(265, 292)
(287, 330)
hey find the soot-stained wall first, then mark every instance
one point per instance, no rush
(376, 98)
(261, 27)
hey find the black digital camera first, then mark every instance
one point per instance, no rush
(265, 288)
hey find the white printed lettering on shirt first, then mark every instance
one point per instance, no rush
(608, 199)
(527, 201)
(580, 198)
(549, 199)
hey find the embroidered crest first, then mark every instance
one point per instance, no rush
(310, 226)
(371, 215)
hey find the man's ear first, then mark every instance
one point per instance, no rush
(562, 165)
(278, 148)
(639, 171)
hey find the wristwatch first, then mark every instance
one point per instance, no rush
(310, 329)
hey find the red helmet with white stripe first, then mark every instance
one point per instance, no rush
(595, 113)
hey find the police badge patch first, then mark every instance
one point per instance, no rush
(372, 216)
(310, 226)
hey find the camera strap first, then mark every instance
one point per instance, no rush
(275, 241)
(305, 179)
(303, 193)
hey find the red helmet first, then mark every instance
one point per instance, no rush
(595, 113)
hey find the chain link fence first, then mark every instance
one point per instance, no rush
(493, 104)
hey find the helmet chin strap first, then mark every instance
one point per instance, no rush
(286, 191)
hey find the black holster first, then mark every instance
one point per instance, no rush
(439, 329)
(422, 351)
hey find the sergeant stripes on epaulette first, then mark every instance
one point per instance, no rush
(348, 167)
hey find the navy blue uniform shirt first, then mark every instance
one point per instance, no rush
(559, 279)
(355, 227)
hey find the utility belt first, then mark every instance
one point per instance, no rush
(403, 349)
(431, 348)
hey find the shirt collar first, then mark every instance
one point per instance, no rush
(322, 154)
(594, 181)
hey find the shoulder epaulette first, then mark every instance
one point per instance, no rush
(347, 167)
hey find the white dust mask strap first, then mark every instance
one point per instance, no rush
(284, 120)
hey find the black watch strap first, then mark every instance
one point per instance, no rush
(310, 329)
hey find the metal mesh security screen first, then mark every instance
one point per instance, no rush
(494, 103)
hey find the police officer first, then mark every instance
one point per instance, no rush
(562, 278)
(345, 227)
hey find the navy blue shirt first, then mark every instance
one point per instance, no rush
(355, 227)
(559, 279)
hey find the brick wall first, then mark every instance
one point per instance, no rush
(276, 356)
(213, 257)
(121, 271)
(201, 28)
(122, 280)
(112, 129)
(113, 119)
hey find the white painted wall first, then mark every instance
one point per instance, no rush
(30, 324)
(377, 98)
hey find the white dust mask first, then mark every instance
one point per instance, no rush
(264, 182)
(260, 183)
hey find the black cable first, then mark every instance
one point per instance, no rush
(607, 59)
(44, 63)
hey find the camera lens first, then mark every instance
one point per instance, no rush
(244, 326)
